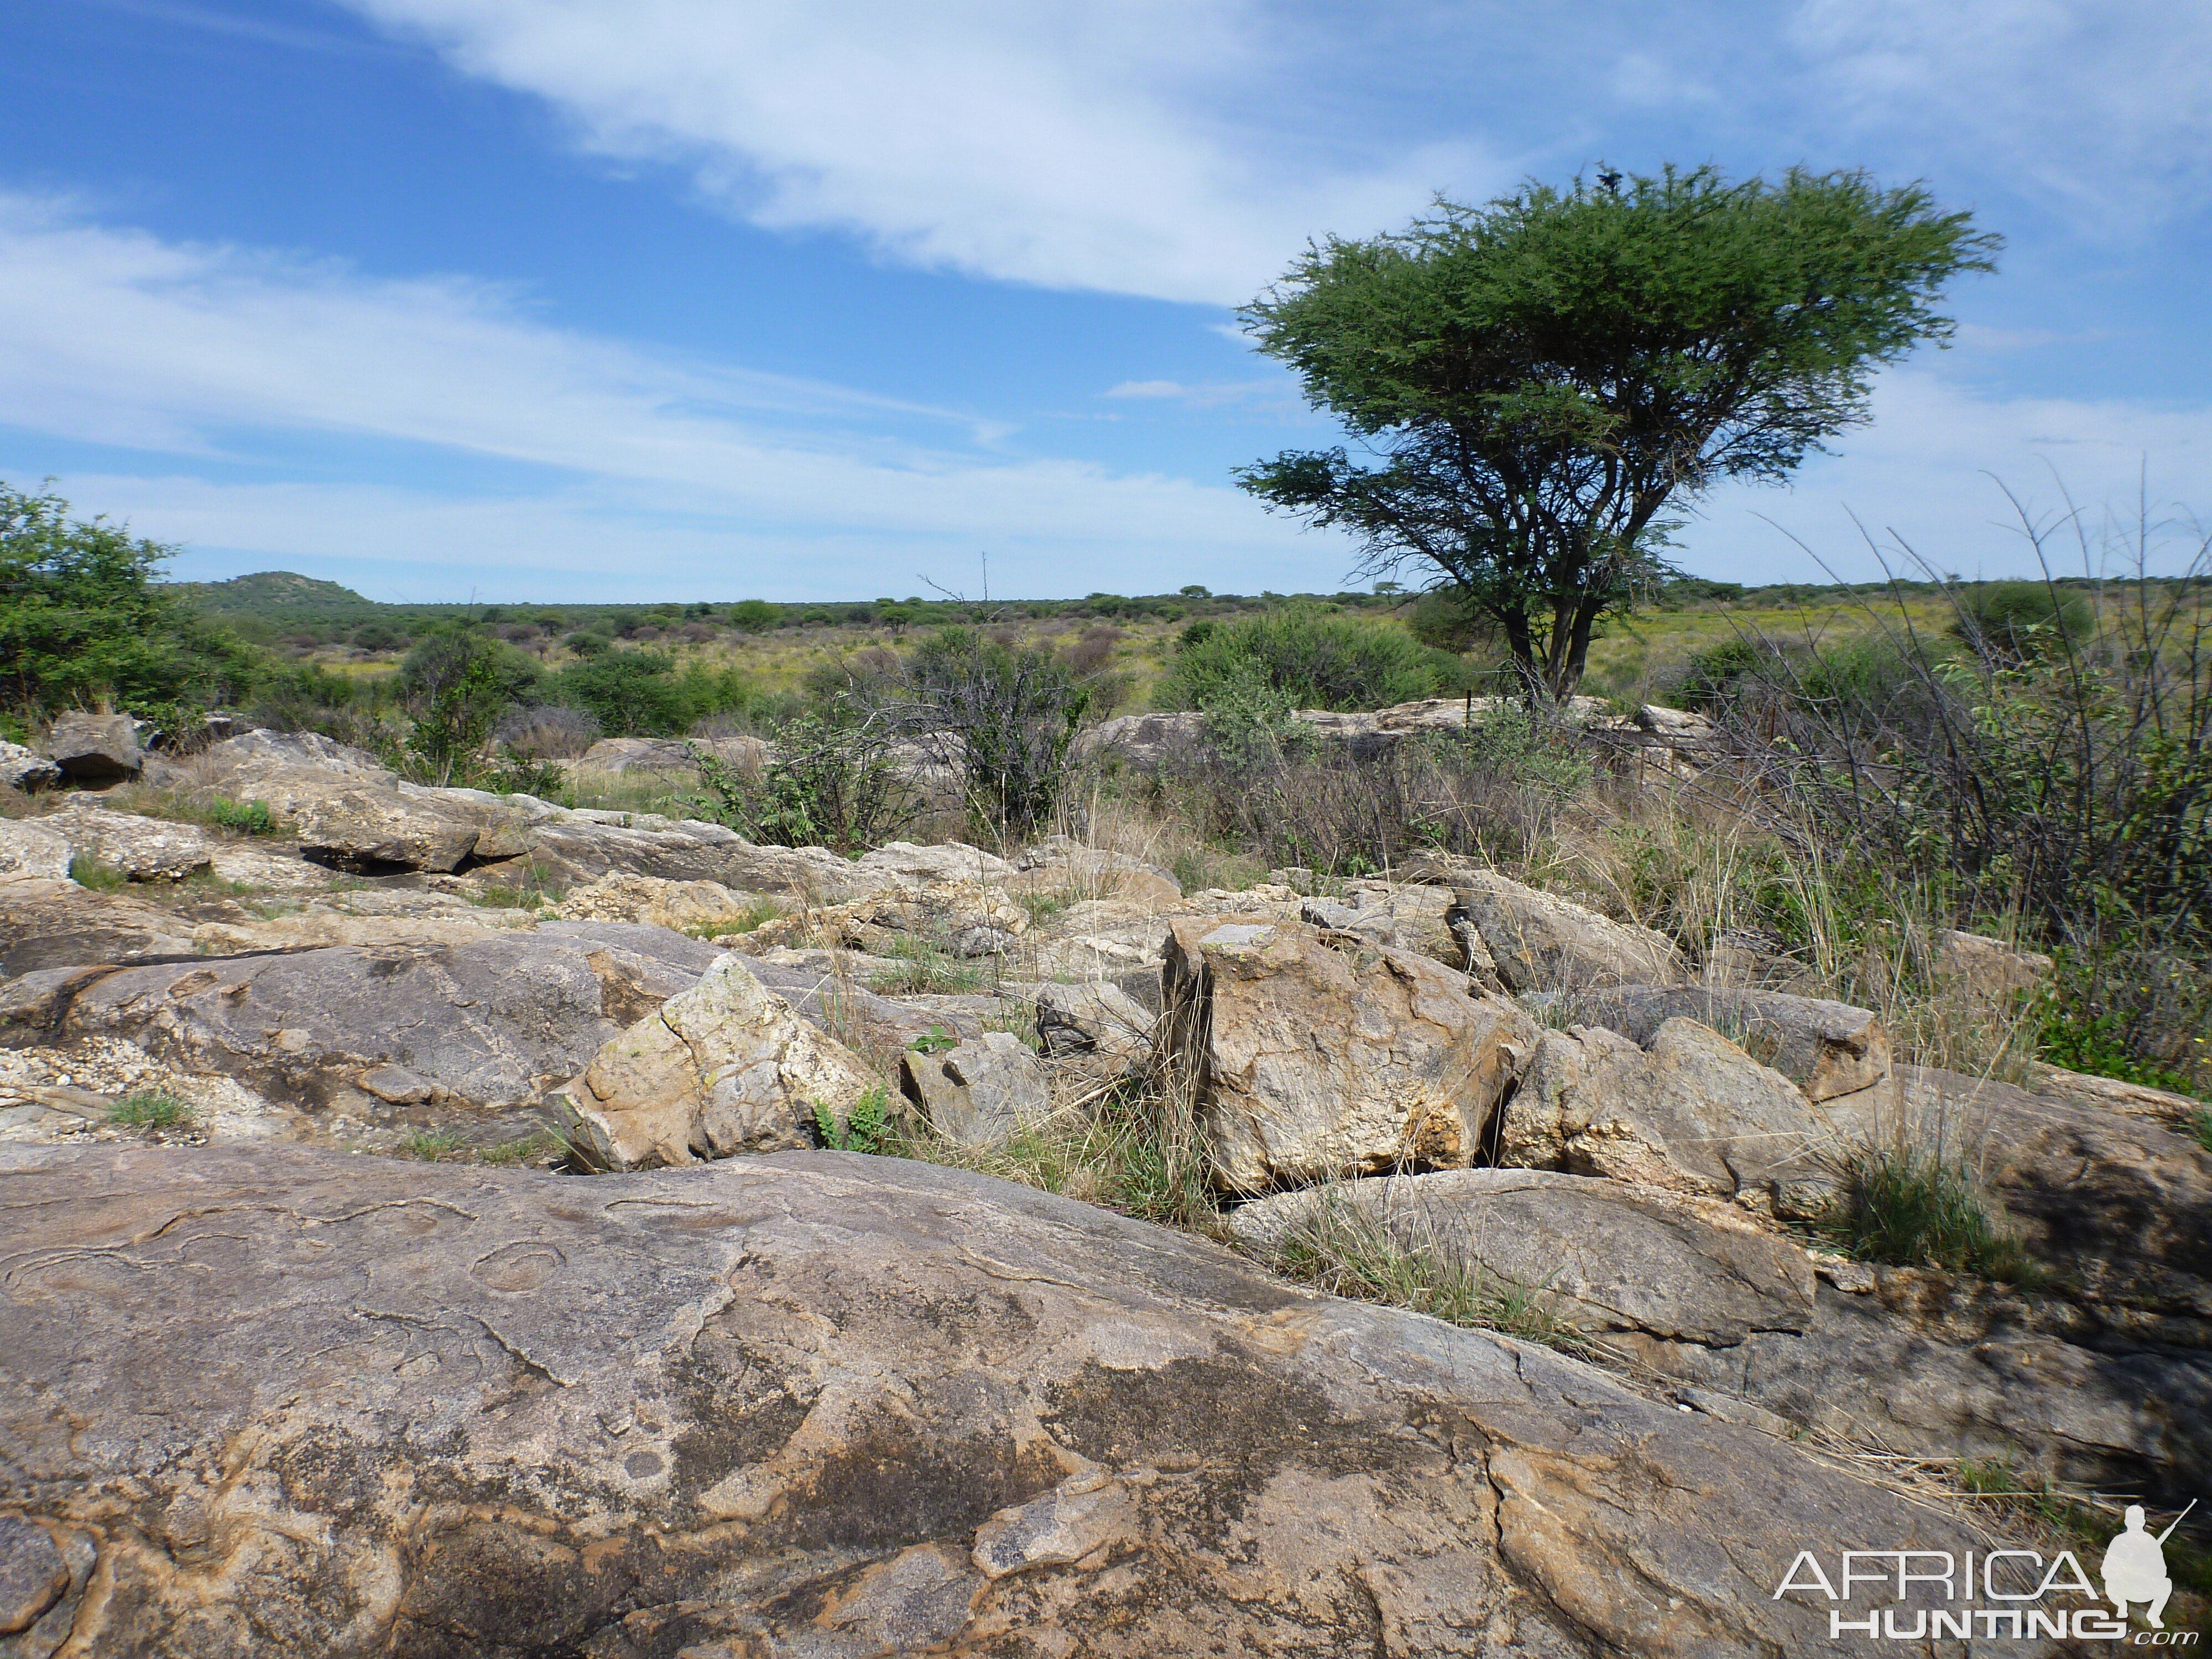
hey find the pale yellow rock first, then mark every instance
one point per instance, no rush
(722, 1068)
(683, 907)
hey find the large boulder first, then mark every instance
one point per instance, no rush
(724, 1068)
(1539, 941)
(823, 1405)
(96, 749)
(1827, 1048)
(1692, 1113)
(946, 862)
(1311, 1054)
(979, 1093)
(1598, 1256)
(142, 849)
(30, 848)
(376, 830)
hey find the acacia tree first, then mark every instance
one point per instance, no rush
(1537, 380)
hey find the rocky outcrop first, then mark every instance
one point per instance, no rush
(96, 749)
(671, 758)
(818, 1404)
(1826, 1048)
(1537, 941)
(140, 848)
(1691, 1114)
(1311, 1055)
(724, 1068)
(1597, 1256)
(2130, 1099)
(979, 1093)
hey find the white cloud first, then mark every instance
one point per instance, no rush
(1930, 474)
(1176, 149)
(2101, 106)
(583, 454)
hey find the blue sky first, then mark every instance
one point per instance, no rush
(703, 299)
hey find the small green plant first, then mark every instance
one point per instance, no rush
(2200, 1127)
(1912, 1210)
(935, 1041)
(248, 817)
(150, 1110)
(431, 1145)
(867, 1128)
(89, 872)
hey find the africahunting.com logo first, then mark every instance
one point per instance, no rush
(1920, 1595)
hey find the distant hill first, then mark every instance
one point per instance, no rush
(279, 594)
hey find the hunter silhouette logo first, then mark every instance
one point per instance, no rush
(2134, 1567)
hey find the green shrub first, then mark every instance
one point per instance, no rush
(2200, 1127)
(755, 616)
(830, 784)
(632, 694)
(150, 1110)
(2019, 620)
(250, 818)
(867, 1128)
(1714, 674)
(1313, 658)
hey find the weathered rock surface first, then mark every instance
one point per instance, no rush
(1988, 969)
(49, 922)
(2130, 1099)
(1314, 1055)
(26, 769)
(1539, 942)
(489, 1022)
(681, 906)
(949, 863)
(96, 749)
(142, 849)
(722, 1068)
(822, 1405)
(1827, 1048)
(29, 847)
(1061, 864)
(1598, 1256)
(1692, 1114)
(978, 1093)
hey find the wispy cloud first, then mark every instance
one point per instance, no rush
(1279, 395)
(1145, 147)
(582, 452)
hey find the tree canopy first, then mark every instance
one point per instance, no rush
(1535, 380)
(84, 622)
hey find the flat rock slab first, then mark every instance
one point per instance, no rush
(1598, 1255)
(826, 1405)
(1538, 941)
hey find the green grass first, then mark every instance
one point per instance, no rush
(89, 872)
(150, 1110)
(2199, 1127)
(430, 1146)
(1908, 1209)
(1208, 867)
(925, 969)
(1344, 1249)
